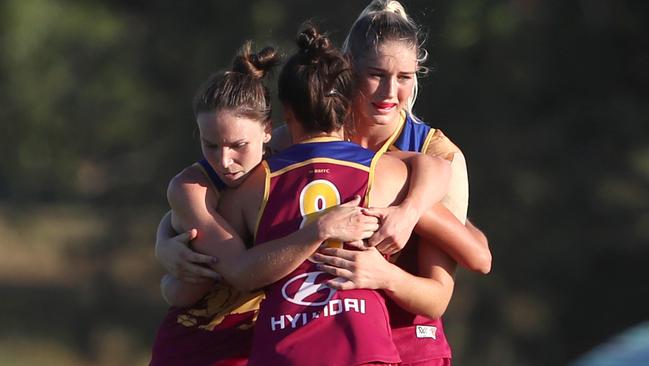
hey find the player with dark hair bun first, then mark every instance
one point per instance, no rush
(304, 319)
(210, 324)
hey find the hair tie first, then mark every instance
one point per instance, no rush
(332, 92)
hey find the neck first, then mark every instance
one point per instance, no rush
(298, 134)
(371, 135)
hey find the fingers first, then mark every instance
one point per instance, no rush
(366, 220)
(336, 253)
(368, 231)
(187, 236)
(200, 258)
(196, 280)
(376, 239)
(331, 256)
(335, 271)
(207, 273)
(358, 244)
(388, 247)
(355, 201)
(383, 245)
(341, 284)
(377, 212)
(192, 265)
(198, 274)
(372, 224)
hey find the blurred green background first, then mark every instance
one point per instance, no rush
(548, 99)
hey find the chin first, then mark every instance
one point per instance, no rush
(386, 119)
(234, 184)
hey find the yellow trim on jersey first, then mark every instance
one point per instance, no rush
(209, 179)
(320, 139)
(320, 160)
(264, 164)
(424, 146)
(390, 141)
(370, 178)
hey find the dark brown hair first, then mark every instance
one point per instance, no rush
(315, 83)
(240, 89)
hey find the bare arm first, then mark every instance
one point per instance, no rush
(193, 207)
(427, 293)
(465, 244)
(173, 253)
(179, 293)
(428, 183)
(468, 246)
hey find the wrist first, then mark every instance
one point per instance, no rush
(321, 229)
(411, 208)
(392, 280)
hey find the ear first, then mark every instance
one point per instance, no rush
(289, 117)
(268, 132)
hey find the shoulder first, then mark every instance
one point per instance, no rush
(240, 206)
(438, 144)
(281, 139)
(387, 163)
(390, 178)
(249, 194)
(189, 185)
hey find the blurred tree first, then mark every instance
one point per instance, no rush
(548, 100)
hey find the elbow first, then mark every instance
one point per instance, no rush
(436, 312)
(177, 302)
(242, 286)
(482, 261)
(485, 262)
(482, 264)
(437, 309)
(486, 267)
(172, 294)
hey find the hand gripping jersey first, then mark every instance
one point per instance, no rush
(301, 321)
(421, 340)
(217, 330)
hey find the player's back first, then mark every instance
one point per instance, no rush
(302, 321)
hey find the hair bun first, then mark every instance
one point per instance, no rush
(312, 43)
(396, 8)
(256, 65)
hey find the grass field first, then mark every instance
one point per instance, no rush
(78, 285)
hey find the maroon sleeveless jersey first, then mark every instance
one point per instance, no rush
(216, 331)
(420, 340)
(301, 321)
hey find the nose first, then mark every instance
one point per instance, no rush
(225, 157)
(389, 87)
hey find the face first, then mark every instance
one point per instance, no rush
(385, 82)
(232, 144)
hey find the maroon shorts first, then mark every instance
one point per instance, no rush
(433, 362)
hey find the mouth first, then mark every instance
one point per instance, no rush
(231, 176)
(384, 107)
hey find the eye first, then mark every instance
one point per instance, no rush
(240, 145)
(210, 146)
(405, 77)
